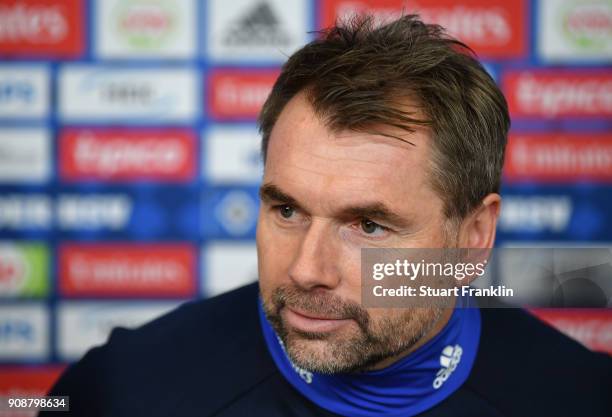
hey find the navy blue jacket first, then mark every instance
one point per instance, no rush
(208, 358)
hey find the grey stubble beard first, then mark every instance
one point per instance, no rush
(365, 346)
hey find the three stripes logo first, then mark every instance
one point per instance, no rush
(260, 26)
(449, 359)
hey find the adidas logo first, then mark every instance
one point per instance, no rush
(450, 358)
(258, 27)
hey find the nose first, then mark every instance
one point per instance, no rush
(313, 265)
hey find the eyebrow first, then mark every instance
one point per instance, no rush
(375, 211)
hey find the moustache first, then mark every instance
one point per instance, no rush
(319, 303)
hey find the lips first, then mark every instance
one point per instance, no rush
(312, 322)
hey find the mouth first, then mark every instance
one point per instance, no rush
(310, 322)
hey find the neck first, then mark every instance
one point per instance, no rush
(421, 377)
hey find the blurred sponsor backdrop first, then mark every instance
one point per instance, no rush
(129, 153)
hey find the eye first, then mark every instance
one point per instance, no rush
(287, 215)
(369, 227)
(286, 211)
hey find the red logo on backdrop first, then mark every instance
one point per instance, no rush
(13, 271)
(588, 22)
(493, 28)
(591, 327)
(559, 157)
(18, 381)
(127, 155)
(134, 269)
(552, 94)
(239, 94)
(42, 27)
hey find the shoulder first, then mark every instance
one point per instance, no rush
(194, 359)
(524, 366)
(197, 331)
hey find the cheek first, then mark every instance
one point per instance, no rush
(402, 324)
(349, 266)
(275, 252)
(389, 324)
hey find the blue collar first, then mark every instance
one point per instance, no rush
(408, 387)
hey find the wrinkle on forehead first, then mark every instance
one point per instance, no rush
(299, 122)
(351, 155)
(303, 152)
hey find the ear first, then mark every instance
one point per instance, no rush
(478, 228)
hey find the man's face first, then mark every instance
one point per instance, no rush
(324, 197)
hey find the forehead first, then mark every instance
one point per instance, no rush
(304, 156)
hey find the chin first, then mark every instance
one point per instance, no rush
(326, 355)
(315, 356)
